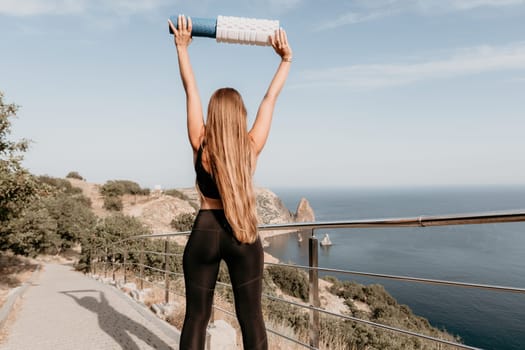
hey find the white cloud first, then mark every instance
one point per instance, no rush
(470, 4)
(517, 80)
(355, 17)
(363, 11)
(65, 7)
(463, 62)
(35, 7)
(136, 5)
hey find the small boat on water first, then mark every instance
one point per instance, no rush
(265, 243)
(299, 238)
(325, 242)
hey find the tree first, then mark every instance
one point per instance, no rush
(37, 214)
(113, 203)
(121, 187)
(183, 222)
(74, 175)
(74, 219)
(34, 232)
(110, 230)
(17, 186)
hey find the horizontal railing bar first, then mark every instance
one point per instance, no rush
(298, 342)
(264, 295)
(153, 252)
(269, 329)
(224, 310)
(158, 253)
(138, 264)
(162, 253)
(419, 221)
(160, 286)
(374, 324)
(410, 279)
(149, 282)
(173, 254)
(150, 267)
(224, 284)
(156, 235)
(158, 270)
(351, 318)
(309, 307)
(517, 215)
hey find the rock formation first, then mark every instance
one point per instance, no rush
(270, 208)
(304, 212)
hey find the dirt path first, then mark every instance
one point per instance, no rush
(66, 310)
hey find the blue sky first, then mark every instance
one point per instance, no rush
(381, 93)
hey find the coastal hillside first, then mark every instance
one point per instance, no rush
(157, 209)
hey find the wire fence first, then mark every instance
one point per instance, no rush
(115, 256)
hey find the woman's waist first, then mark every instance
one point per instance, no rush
(211, 219)
(211, 203)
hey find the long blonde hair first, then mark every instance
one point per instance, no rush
(230, 156)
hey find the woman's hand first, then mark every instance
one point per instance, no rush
(279, 42)
(182, 36)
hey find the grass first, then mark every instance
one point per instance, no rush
(14, 271)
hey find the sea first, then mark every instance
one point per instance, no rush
(484, 254)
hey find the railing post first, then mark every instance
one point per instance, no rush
(106, 263)
(113, 262)
(314, 290)
(141, 270)
(96, 260)
(91, 261)
(124, 264)
(166, 274)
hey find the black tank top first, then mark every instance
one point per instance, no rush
(205, 181)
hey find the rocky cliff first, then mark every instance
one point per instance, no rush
(270, 208)
(304, 212)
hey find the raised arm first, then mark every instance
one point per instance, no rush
(261, 126)
(182, 37)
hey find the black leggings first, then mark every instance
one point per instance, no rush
(210, 241)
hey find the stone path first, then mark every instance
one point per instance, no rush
(65, 310)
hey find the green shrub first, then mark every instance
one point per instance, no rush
(122, 187)
(292, 281)
(176, 193)
(289, 315)
(74, 175)
(348, 290)
(385, 310)
(113, 203)
(183, 222)
(58, 184)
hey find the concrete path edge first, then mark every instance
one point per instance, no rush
(166, 328)
(5, 311)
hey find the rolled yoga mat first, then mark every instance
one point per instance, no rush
(235, 30)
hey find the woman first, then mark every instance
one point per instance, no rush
(225, 154)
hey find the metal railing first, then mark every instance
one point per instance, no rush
(313, 269)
